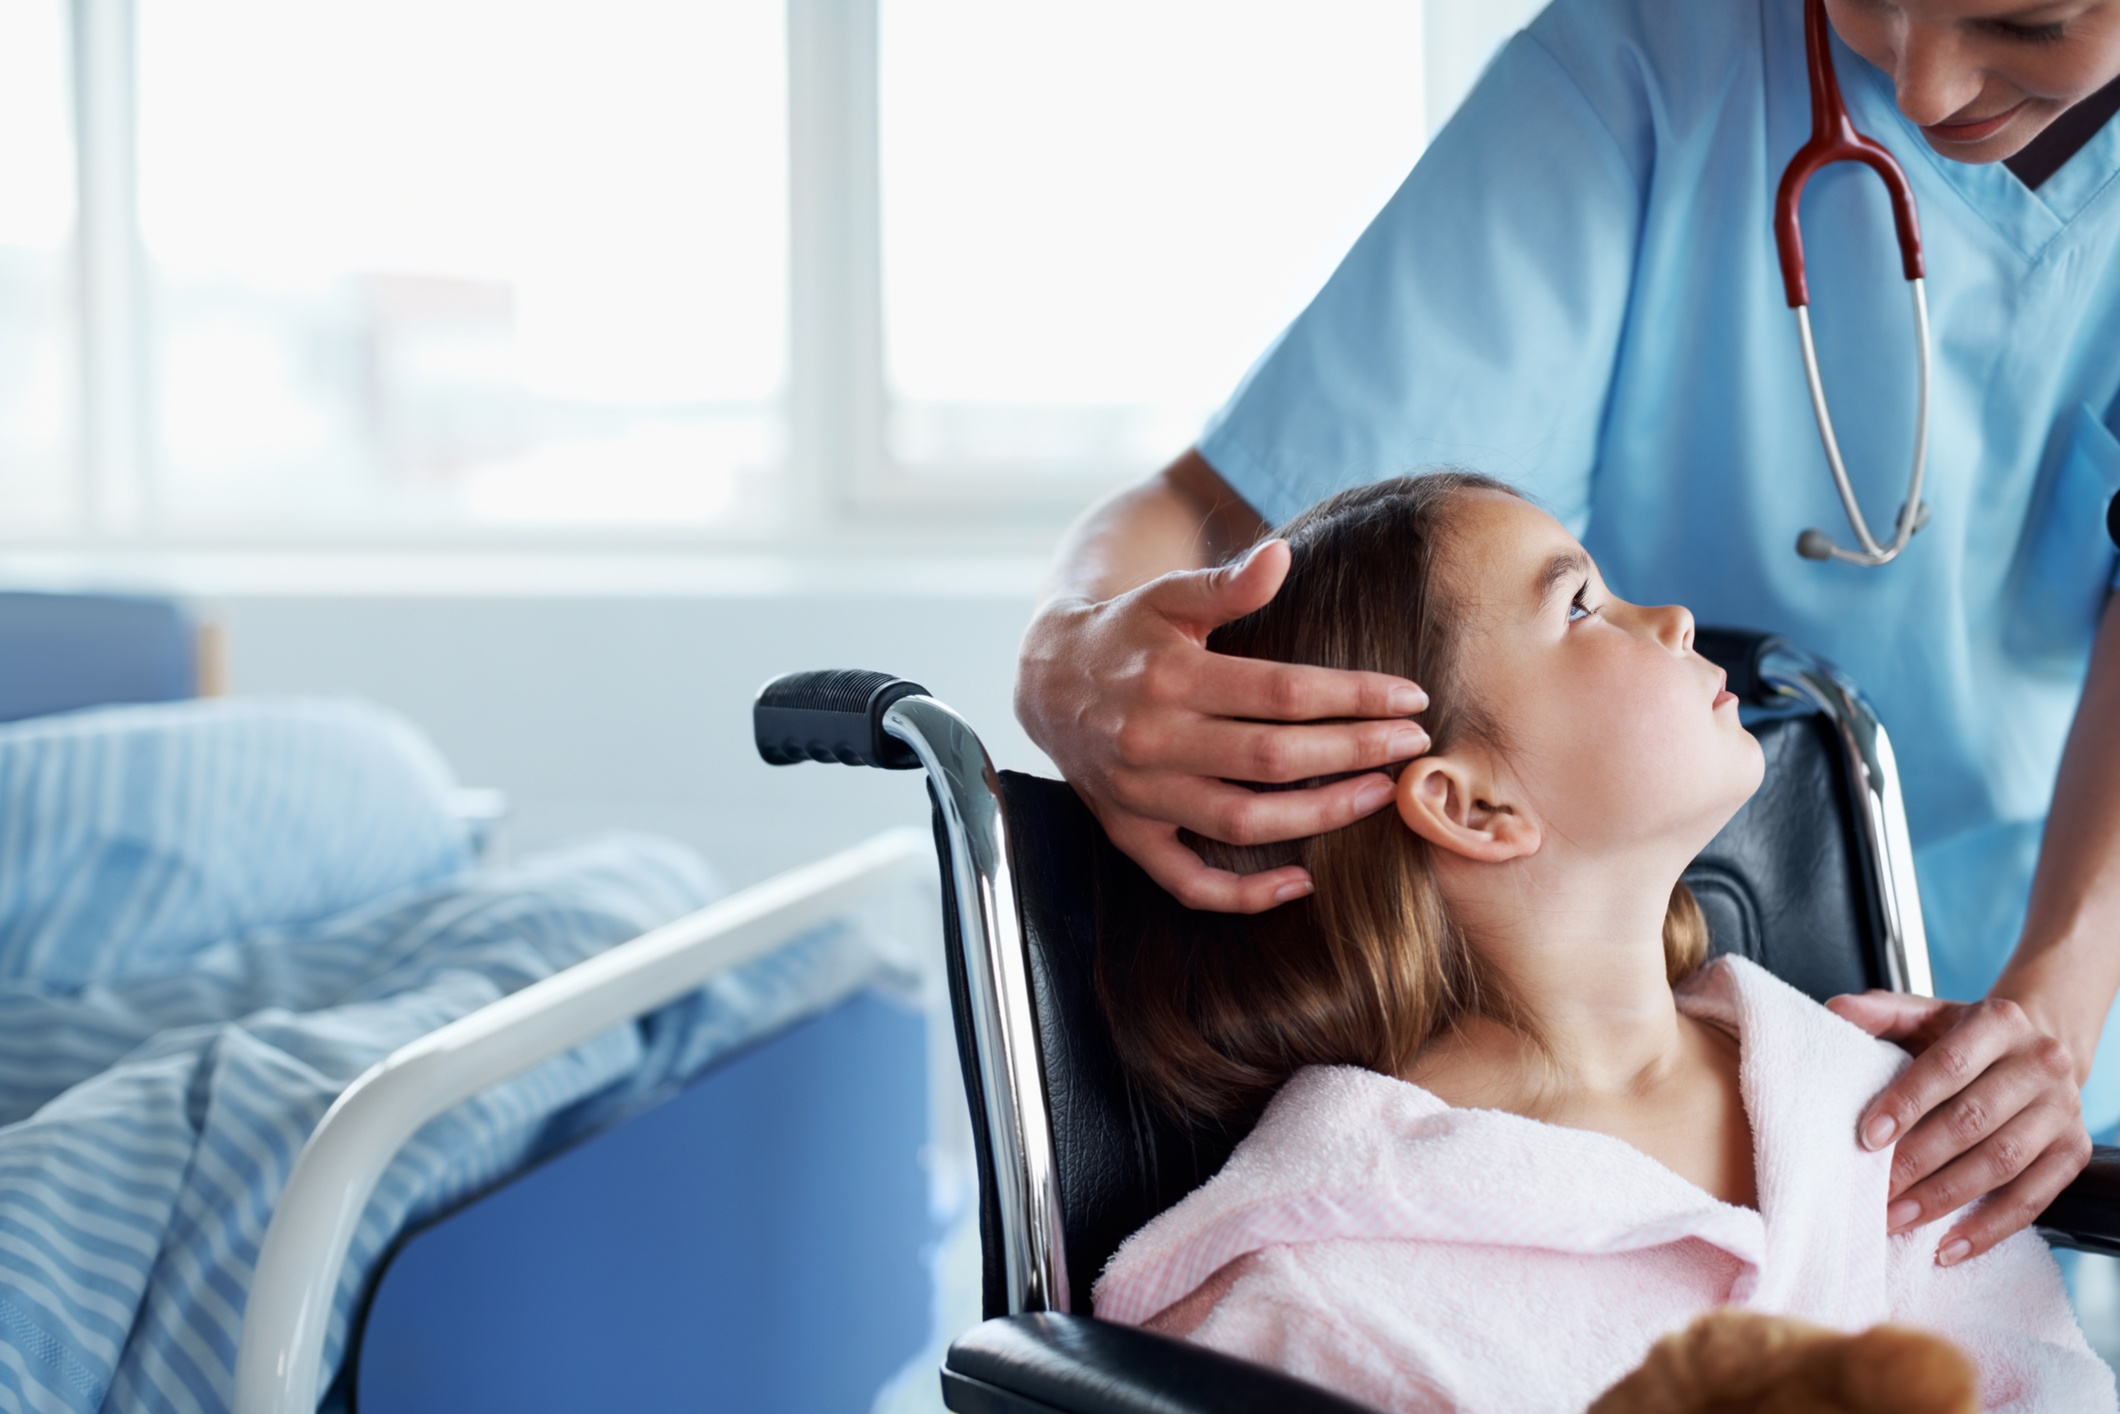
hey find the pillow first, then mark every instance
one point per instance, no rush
(132, 836)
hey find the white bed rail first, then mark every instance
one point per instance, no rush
(279, 1364)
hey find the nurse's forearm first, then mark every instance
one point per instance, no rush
(2067, 967)
(1184, 517)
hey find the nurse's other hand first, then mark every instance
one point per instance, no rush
(1989, 1108)
(1150, 728)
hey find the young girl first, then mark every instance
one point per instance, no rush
(1518, 1130)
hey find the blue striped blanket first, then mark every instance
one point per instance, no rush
(276, 899)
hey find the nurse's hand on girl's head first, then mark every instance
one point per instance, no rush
(1989, 1108)
(1150, 728)
(1984, 77)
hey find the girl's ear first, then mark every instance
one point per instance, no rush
(1453, 804)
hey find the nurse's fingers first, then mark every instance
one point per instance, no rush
(1988, 1109)
(1236, 815)
(2006, 1117)
(1892, 1016)
(1157, 849)
(1981, 1170)
(1196, 602)
(1261, 690)
(1954, 1043)
(1270, 753)
(1204, 599)
(2016, 1205)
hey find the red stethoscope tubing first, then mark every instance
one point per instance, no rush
(1834, 138)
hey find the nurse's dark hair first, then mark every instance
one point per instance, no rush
(1212, 1012)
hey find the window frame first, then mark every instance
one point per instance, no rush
(839, 482)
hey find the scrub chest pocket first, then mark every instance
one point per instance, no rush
(2065, 566)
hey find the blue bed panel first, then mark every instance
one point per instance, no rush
(755, 1244)
(59, 652)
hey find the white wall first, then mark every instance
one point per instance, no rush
(633, 711)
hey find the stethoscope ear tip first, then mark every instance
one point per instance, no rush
(1815, 544)
(2112, 520)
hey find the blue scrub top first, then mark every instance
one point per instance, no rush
(1577, 290)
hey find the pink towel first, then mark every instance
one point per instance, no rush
(1370, 1238)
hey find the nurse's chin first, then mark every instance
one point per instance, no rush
(1977, 144)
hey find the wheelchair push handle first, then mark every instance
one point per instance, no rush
(832, 714)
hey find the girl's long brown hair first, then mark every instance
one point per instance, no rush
(1210, 1012)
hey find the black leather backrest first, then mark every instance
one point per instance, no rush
(1779, 885)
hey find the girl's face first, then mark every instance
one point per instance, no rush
(1612, 733)
(1984, 77)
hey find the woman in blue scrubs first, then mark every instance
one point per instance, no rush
(1577, 289)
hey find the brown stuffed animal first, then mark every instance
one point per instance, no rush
(1737, 1362)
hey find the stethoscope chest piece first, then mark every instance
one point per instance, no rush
(1815, 544)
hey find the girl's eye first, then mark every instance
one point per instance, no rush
(1578, 607)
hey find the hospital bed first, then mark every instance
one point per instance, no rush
(633, 1263)
(1813, 879)
(280, 1364)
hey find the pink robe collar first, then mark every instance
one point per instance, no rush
(1345, 1153)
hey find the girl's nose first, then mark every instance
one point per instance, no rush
(1674, 626)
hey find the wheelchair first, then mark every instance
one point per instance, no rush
(1813, 879)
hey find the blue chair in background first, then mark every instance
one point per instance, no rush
(61, 652)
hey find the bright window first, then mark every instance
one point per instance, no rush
(423, 264)
(38, 359)
(446, 270)
(1096, 215)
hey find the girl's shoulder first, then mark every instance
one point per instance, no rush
(1767, 1014)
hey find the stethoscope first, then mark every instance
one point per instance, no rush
(1834, 138)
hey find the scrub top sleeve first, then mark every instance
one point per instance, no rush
(1476, 321)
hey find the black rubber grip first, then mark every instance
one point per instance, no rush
(1737, 651)
(831, 714)
(2086, 1215)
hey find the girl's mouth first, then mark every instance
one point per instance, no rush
(1723, 696)
(1978, 131)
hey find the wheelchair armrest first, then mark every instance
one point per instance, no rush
(1052, 1364)
(2087, 1214)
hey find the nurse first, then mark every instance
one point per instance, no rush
(1576, 289)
